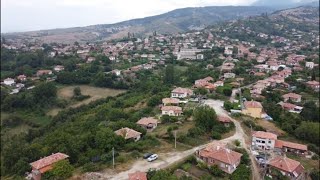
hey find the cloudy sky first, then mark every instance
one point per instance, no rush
(27, 15)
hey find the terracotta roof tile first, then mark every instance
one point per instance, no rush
(221, 154)
(281, 144)
(147, 120)
(170, 101)
(252, 104)
(127, 133)
(49, 160)
(171, 108)
(138, 176)
(264, 135)
(286, 164)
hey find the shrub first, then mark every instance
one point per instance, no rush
(237, 142)
(214, 170)
(186, 166)
(215, 135)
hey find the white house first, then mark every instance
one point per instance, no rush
(171, 110)
(263, 140)
(310, 65)
(9, 81)
(181, 92)
(229, 75)
(117, 72)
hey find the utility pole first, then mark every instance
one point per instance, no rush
(113, 157)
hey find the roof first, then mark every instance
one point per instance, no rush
(147, 120)
(222, 154)
(281, 144)
(292, 95)
(287, 106)
(47, 161)
(224, 119)
(286, 164)
(171, 108)
(313, 83)
(127, 133)
(252, 104)
(138, 176)
(264, 135)
(170, 101)
(180, 90)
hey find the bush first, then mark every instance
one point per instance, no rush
(237, 142)
(315, 174)
(215, 135)
(186, 166)
(195, 131)
(214, 170)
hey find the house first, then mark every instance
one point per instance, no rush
(291, 107)
(9, 82)
(22, 77)
(200, 56)
(310, 65)
(45, 164)
(286, 146)
(171, 110)
(313, 84)
(181, 92)
(288, 167)
(128, 133)
(218, 83)
(253, 109)
(215, 154)
(170, 101)
(58, 68)
(116, 72)
(224, 120)
(148, 123)
(43, 72)
(292, 96)
(138, 176)
(229, 75)
(263, 140)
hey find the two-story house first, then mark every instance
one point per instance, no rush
(263, 140)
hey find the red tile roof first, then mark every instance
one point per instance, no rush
(171, 108)
(224, 119)
(147, 120)
(286, 164)
(292, 95)
(138, 176)
(281, 144)
(252, 104)
(170, 101)
(264, 135)
(180, 90)
(127, 133)
(47, 161)
(222, 154)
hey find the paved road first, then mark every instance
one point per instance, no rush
(167, 159)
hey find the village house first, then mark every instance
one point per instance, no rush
(216, 154)
(170, 101)
(263, 140)
(22, 77)
(138, 176)
(288, 167)
(148, 123)
(128, 133)
(253, 109)
(218, 83)
(314, 85)
(224, 120)
(171, 110)
(116, 72)
(9, 82)
(292, 97)
(58, 68)
(290, 147)
(229, 75)
(45, 164)
(181, 92)
(291, 107)
(43, 72)
(227, 67)
(310, 65)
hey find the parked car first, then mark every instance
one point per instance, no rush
(152, 157)
(146, 155)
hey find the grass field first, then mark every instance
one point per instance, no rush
(95, 93)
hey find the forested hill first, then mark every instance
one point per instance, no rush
(178, 20)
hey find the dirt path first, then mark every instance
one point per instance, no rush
(167, 159)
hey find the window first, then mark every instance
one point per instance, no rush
(269, 142)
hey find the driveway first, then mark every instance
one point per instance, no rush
(167, 159)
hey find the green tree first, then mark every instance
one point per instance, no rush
(241, 173)
(62, 169)
(45, 91)
(205, 117)
(77, 91)
(169, 74)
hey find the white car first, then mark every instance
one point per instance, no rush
(152, 157)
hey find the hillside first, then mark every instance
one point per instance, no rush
(175, 21)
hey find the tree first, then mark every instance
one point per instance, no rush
(77, 91)
(62, 169)
(45, 91)
(169, 74)
(227, 105)
(205, 117)
(242, 172)
(308, 131)
(160, 175)
(310, 112)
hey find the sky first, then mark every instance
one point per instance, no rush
(29, 15)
